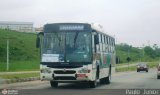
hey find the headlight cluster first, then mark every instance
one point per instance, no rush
(84, 70)
(46, 70)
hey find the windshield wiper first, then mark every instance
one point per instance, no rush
(59, 39)
(75, 38)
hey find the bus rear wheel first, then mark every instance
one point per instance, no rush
(107, 80)
(54, 84)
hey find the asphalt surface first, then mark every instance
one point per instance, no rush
(120, 83)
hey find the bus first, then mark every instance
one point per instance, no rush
(76, 52)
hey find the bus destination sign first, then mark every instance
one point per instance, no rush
(71, 27)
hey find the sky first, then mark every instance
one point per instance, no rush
(135, 22)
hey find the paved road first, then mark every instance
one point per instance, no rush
(125, 80)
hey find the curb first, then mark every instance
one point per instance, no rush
(8, 81)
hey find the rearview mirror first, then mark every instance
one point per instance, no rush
(38, 39)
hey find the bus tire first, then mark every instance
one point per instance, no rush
(54, 84)
(93, 84)
(107, 80)
(97, 73)
(102, 81)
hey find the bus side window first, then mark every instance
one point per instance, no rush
(100, 43)
(96, 42)
(105, 44)
(96, 39)
(109, 45)
(107, 40)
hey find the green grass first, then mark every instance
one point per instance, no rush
(19, 76)
(124, 69)
(22, 46)
(121, 64)
(20, 66)
(152, 64)
(23, 53)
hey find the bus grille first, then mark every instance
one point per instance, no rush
(64, 72)
(64, 78)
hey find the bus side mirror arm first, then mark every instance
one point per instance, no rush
(38, 39)
(38, 42)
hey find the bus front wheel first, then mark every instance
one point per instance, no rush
(93, 84)
(54, 84)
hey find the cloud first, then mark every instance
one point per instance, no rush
(131, 21)
(9, 5)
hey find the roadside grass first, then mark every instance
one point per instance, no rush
(121, 64)
(124, 69)
(22, 46)
(19, 76)
(23, 54)
(20, 66)
(152, 64)
(133, 68)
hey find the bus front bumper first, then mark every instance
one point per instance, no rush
(65, 77)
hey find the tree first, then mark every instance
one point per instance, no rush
(149, 51)
(157, 50)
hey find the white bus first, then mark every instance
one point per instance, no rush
(76, 52)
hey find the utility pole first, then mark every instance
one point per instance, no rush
(8, 38)
(128, 58)
(7, 54)
(142, 53)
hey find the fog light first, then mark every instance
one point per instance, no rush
(46, 70)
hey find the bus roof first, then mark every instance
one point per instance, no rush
(99, 28)
(93, 26)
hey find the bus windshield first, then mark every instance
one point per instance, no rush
(69, 46)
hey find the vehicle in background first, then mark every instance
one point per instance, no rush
(158, 71)
(142, 67)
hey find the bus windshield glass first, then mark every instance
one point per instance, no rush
(69, 46)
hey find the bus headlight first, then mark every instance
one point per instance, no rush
(46, 70)
(84, 70)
